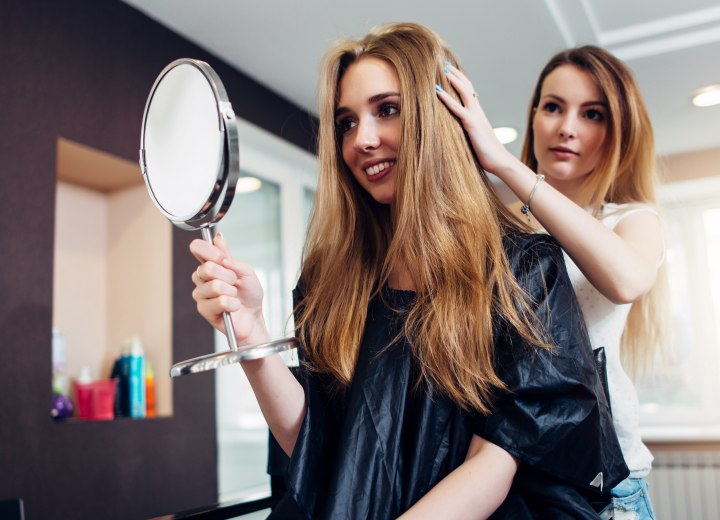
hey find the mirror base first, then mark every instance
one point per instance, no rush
(218, 359)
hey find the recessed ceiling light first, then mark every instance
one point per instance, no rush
(706, 96)
(505, 134)
(247, 184)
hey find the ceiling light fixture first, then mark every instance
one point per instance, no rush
(247, 184)
(505, 134)
(706, 96)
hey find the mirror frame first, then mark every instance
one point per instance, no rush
(223, 189)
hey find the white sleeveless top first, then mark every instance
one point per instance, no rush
(605, 323)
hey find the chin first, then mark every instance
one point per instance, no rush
(382, 194)
(383, 199)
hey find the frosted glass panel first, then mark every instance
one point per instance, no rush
(252, 230)
(683, 392)
(308, 202)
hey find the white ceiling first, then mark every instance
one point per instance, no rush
(673, 47)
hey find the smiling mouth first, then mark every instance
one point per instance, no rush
(377, 168)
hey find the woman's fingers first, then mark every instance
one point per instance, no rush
(211, 271)
(240, 269)
(206, 252)
(225, 285)
(219, 242)
(214, 289)
(493, 156)
(212, 310)
(221, 275)
(462, 85)
(453, 105)
(249, 289)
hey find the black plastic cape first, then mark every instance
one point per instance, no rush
(375, 450)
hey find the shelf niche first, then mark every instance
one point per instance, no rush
(112, 274)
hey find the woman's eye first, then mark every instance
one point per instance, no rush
(388, 110)
(551, 107)
(345, 125)
(595, 115)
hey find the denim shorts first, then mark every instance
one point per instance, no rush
(631, 501)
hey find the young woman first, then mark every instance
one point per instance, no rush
(446, 370)
(588, 180)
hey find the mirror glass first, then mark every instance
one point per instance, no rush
(183, 148)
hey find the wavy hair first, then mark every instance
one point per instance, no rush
(445, 226)
(625, 173)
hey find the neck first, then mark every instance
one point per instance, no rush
(400, 279)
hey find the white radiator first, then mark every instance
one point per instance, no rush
(686, 485)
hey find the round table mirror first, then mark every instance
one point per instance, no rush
(190, 160)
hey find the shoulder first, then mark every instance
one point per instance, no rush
(299, 292)
(611, 214)
(536, 261)
(519, 244)
(526, 250)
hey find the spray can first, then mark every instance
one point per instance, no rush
(136, 379)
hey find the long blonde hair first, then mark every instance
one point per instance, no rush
(446, 226)
(625, 173)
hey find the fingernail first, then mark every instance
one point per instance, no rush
(447, 62)
(438, 88)
(220, 236)
(446, 70)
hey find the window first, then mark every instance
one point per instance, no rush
(681, 400)
(265, 228)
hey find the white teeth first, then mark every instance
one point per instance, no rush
(377, 168)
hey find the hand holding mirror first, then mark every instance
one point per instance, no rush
(190, 160)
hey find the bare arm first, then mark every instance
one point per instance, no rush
(474, 490)
(622, 263)
(222, 284)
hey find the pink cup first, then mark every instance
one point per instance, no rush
(96, 400)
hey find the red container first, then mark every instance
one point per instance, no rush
(95, 401)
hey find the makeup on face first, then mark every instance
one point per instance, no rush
(570, 126)
(369, 126)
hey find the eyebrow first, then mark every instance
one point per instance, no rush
(374, 99)
(588, 103)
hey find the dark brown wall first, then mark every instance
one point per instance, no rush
(82, 69)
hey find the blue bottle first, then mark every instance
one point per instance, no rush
(136, 379)
(121, 373)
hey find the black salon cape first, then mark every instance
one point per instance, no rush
(374, 451)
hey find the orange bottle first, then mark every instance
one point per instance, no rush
(150, 410)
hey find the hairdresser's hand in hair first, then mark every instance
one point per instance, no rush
(223, 284)
(622, 263)
(493, 156)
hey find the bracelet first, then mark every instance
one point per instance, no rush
(526, 207)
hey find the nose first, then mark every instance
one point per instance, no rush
(568, 127)
(366, 136)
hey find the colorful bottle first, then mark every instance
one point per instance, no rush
(59, 384)
(150, 410)
(136, 380)
(62, 406)
(121, 373)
